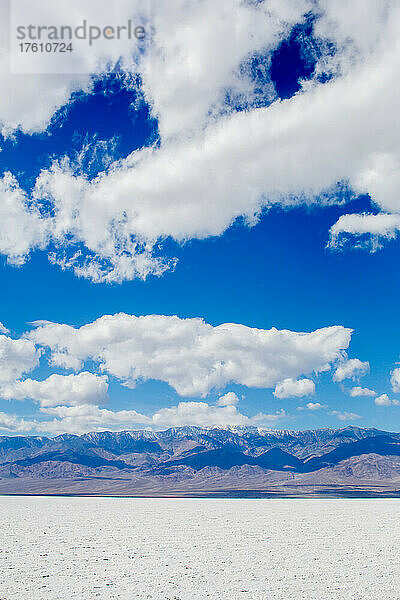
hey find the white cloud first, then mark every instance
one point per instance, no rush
(3, 329)
(17, 357)
(184, 72)
(395, 380)
(228, 399)
(205, 415)
(291, 388)
(32, 99)
(356, 30)
(14, 424)
(351, 369)
(380, 178)
(384, 400)
(186, 75)
(185, 79)
(189, 354)
(85, 418)
(196, 183)
(201, 414)
(196, 187)
(314, 406)
(376, 226)
(67, 390)
(22, 229)
(357, 391)
(344, 416)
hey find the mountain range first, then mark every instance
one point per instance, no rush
(207, 461)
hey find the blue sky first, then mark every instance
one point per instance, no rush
(276, 271)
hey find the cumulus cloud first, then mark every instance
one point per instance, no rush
(214, 165)
(185, 80)
(395, 380)
(22, 228)
(189, 354)
(228, 399)
(17, 357)
(351, 369)
(33, 98)
(357, 391)
(291, 388)
(344, 415)
(203, 414)
(384, 400)
(355, 29)
(14, 424)
(67, 390)
(314, 406)
(186, 76)
(85, 418)
(184, 72)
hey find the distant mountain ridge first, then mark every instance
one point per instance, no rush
(208, 456)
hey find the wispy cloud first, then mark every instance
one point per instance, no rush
(292, 388)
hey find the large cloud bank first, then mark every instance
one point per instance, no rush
(193, 357)
(190, 355)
